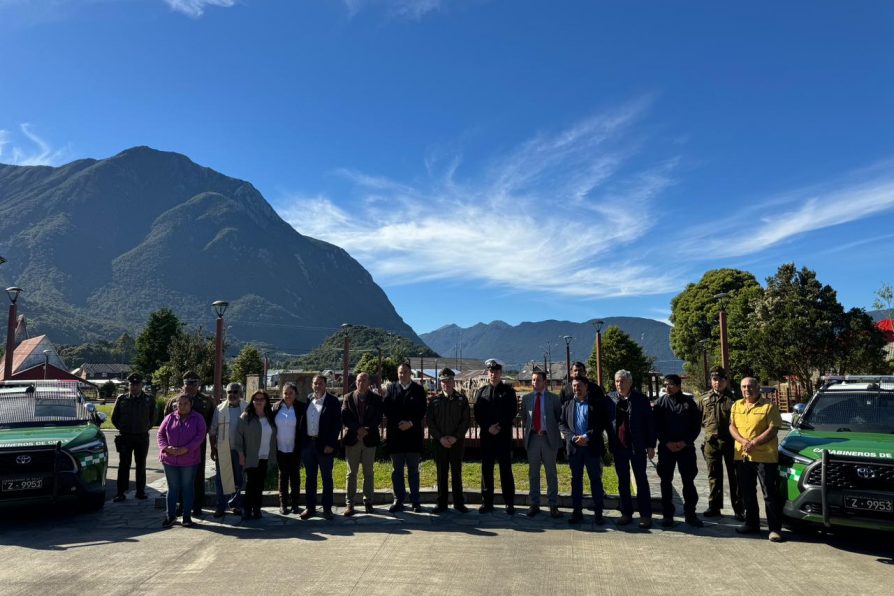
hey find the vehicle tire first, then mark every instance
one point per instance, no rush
(93, 501)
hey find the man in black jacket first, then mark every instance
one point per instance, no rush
(133, 416)
(361, 415)
(495, 408)
(320, 427)
(678, 423)
(404, 406)
(579, 371)
(448, 421)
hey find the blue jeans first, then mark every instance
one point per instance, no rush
(180, 488)
(411, 461)
(313, 461)
(580, 460)
(236, 499)
(625, 459)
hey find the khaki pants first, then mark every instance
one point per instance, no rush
(355, 455)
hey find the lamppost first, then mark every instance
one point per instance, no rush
(220, 307)
(598, 325)
(724, 345)
(46, 363)
(379, 373)
(345, 384)
(704, 344)
(568, 339)
(266, 368)
(422, 370)
(13, 294)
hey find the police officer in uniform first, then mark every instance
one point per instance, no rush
(718, 446)
(495, 408)
(448, 420)
(204, 405)
(133, 415)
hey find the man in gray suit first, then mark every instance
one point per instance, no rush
(540, 415)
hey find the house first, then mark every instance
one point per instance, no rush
(36, 358)
(101, 372)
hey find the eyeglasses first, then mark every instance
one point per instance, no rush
(232, 392)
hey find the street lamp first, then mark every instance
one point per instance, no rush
(724, 340)
(704, 344)
(598, 325)
(568, 339)
(346, 327)
(220, 307)
(46, 363)
(13, 294)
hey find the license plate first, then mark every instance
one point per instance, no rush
(870, 504)
(16, 484)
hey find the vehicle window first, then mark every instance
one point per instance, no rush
(870, 411)
(55, 408)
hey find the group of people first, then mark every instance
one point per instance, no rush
(595, 428)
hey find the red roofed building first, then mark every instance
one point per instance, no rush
(30, 363)
(886, 326)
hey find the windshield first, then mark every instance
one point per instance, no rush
(41, 404)
(863, 411)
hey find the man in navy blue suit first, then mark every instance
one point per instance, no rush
(320, 428)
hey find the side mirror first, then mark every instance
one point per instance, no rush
(101, 416)
(797, 412)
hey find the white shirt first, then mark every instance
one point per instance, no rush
(286, 421)
(313, 414)
(266, 433)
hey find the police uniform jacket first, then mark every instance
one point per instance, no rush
(352, 421)
(404, 404)
(449, 416)
(677, 418)
(715, 410)
(495, 404)
(133, 415)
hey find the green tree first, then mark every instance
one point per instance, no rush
(797, 325)
(107, 390)
(193, 351)
(125, 347)
(248, 362)
(884, 300)
(620, 351)
(369, 363)
(154, 341)
(164, 378)
(861, 345)
(695, 312)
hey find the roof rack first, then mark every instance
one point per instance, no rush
(874, 382)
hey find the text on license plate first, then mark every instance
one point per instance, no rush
(15, 484)
(869, 504)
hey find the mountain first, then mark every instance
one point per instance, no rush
(99, 244)
(522, 343)
(362, 340)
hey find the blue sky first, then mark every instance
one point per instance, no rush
(511, 160)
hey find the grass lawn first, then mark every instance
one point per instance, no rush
(472, 476)
(107, 410)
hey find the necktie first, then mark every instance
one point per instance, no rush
(537, 413)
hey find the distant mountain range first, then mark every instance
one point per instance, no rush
(99, 244)
(522, 343)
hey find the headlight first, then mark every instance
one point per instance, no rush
(94, 447)
(797, 457)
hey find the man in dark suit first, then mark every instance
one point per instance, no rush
(320, 428)
(540, 415)
(633, 438)
(583, 421)
(579, 371)
(404, 406)
(495, 408)
(361, 415)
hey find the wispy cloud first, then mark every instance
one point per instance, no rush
(32, 150)
(196, 8)
(412, 10)
(559, 214)
(790, 216)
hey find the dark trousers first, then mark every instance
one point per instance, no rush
(717, 455)
(625, 459)
(411, 461)
(254, 487)
(134, 448)
(315, 462)
(685, 461)
(450, 460)
(749, 473)
(578, 461)
(503, 455)
(289, 477)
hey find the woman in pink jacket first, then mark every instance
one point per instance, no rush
(180, 438)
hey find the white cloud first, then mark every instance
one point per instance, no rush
(33, 150)
(412, 10)
(555, 215)
(196, 8)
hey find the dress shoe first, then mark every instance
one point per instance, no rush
(187, 522)
(667, 522)
(746, 529)
(776, 537)
(740, 517)
(327, 514)
(577, 516)
(645, 523)
(711, 513)
(695, 522)
(532, 511)
(396, 507)
(439, 509)
(369, 507)
(308, 513)
(119, 498)
(510, 509)
(598, 519)
(142, 496)
(349, 510)
(485, 509)
(284, 509)
(296, 510)
(236, 511)
(461, 508)
(219, 513)
(624, 520)
(554, 512)
(417, 508)
(167, 522)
